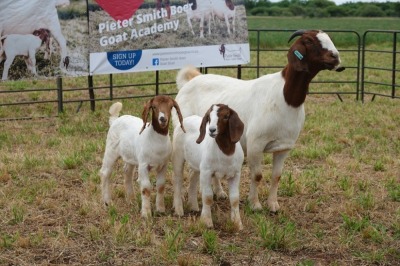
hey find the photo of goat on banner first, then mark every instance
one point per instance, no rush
(43, 39)
(148, 35)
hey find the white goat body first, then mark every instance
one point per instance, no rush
(271, 107)
(19, 44)
(208, 160)
(25, 16)
(201, 10)
(223, 11)
(141, 145)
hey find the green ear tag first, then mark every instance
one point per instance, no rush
(298, 54)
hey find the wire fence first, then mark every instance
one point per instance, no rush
(365, 77)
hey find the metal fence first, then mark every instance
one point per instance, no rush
(374, 87)
(361, 64)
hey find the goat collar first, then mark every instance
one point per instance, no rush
(225, 144)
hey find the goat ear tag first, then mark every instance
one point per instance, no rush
(120, 9)
(298, 54)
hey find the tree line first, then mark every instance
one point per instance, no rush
(321, 8)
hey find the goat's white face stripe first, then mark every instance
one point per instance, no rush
(161, 114)
(327, 43)
(214, 119)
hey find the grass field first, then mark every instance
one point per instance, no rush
(339, 194)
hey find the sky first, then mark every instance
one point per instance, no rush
(339, 2)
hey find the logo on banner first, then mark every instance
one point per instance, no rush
(124, 60)
(156, 61)
(120, 10)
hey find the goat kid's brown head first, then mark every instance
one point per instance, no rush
(313, 51)
(43, 34)
(222, 120)
(160, 106)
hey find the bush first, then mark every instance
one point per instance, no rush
(371, 11)
(259, 11)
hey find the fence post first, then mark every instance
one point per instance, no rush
(394, 65)
(91, 93)
(60, 95)
(111, 87)
(157, 81)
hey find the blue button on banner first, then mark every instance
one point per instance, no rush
(124, 60)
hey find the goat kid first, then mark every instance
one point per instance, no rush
(147, 146)
(22, 44)
(271, 107)
(214, 157)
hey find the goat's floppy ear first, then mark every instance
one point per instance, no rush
(236, 127)
(145, 114)
(178, 110)
(203, 126)
(296, 57)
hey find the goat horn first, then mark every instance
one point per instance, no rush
(296, 33)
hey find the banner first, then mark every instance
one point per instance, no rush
(137, 35)
(43, 38)
(49, 38)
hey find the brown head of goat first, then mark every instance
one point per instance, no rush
(160, 106)
(227, 130)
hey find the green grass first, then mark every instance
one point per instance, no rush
(339, 192)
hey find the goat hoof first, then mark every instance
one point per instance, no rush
(207, 222)
(256, 206)
(146, 214)
(273, 206)
(239, 226)
(161, 210)
(179, 212)
(221, 195)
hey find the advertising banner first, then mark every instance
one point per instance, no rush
(43, 38)
(138, 35)
(67, 38)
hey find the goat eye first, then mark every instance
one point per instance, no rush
(226, 117)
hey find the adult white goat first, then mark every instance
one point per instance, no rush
(271, 107)
(148, 149)
(215, 156)
(225, 9)
(25, 16)
(202, 10)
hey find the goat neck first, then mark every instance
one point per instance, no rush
(296, 85)
(225, 144)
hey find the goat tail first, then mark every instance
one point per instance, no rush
(185, 75)
(114, 112)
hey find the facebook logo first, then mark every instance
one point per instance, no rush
(156, 61)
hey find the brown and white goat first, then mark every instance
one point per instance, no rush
(22, 44)
(271, 107)
(147, 146)
(213, 154)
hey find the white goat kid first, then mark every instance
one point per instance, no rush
(215, 156)
(271, 107)
(138, 143)
(22, 44)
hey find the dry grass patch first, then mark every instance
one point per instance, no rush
(340, 197)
